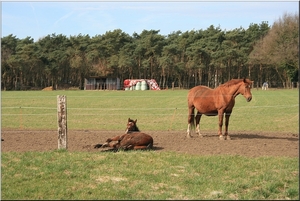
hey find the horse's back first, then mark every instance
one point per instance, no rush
(137, 138)
(142, 137)
(198, 92)
(204, 99)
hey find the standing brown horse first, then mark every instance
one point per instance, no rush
(132, 139)
(218, 101)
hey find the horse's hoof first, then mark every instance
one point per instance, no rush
(104, 145)
(227, 137)
(97, 146)
(221, 137)
(121, 149)
(200, 135)
(149, 146)
(129, 147)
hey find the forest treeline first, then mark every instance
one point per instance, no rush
(185, 59)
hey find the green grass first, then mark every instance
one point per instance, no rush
(146, 175)
(272, 110)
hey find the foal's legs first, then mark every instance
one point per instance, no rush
(116, 138)
(130, 145)
(149, 146)
(198, 117)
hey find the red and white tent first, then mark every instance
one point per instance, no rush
(152, 84)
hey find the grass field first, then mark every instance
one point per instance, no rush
(272, 110)
(136, 175)
(151, 175)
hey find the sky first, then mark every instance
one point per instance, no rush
(38, 19)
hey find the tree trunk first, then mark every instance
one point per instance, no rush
(249, 71)
(216, 78)
(200, 76)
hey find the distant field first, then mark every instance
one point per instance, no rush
(272, 110)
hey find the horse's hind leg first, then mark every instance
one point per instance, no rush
(149, 146)
(198, 117)
(137, 147)
(190, 121)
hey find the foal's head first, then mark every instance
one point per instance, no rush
(131, 126)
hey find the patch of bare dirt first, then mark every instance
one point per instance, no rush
(241, 143)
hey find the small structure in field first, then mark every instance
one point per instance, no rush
(101, 83)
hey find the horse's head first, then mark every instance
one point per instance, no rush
(245, 89)
(131, 126)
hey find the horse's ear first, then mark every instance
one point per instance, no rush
(135, 121)
(128, 119)
(244, 80)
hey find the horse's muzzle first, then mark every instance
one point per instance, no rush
(249, 99)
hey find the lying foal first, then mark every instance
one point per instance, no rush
(132, 139)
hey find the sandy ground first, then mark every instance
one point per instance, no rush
(241, 143)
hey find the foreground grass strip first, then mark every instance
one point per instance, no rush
(146, 175)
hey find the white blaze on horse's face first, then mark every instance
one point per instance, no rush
(247, 92)
(129, 127)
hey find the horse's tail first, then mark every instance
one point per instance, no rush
(191, 109)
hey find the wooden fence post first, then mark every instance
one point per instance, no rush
(62, 121)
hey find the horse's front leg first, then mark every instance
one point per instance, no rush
(116, 138)
(188, 131)
(140, 147)
(112, 145)
(220, 114)
(227, 116)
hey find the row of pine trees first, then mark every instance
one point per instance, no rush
(181, 59)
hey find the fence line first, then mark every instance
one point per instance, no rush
(121, 109)
(125, 92)
(125, 109)
(21, 107)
